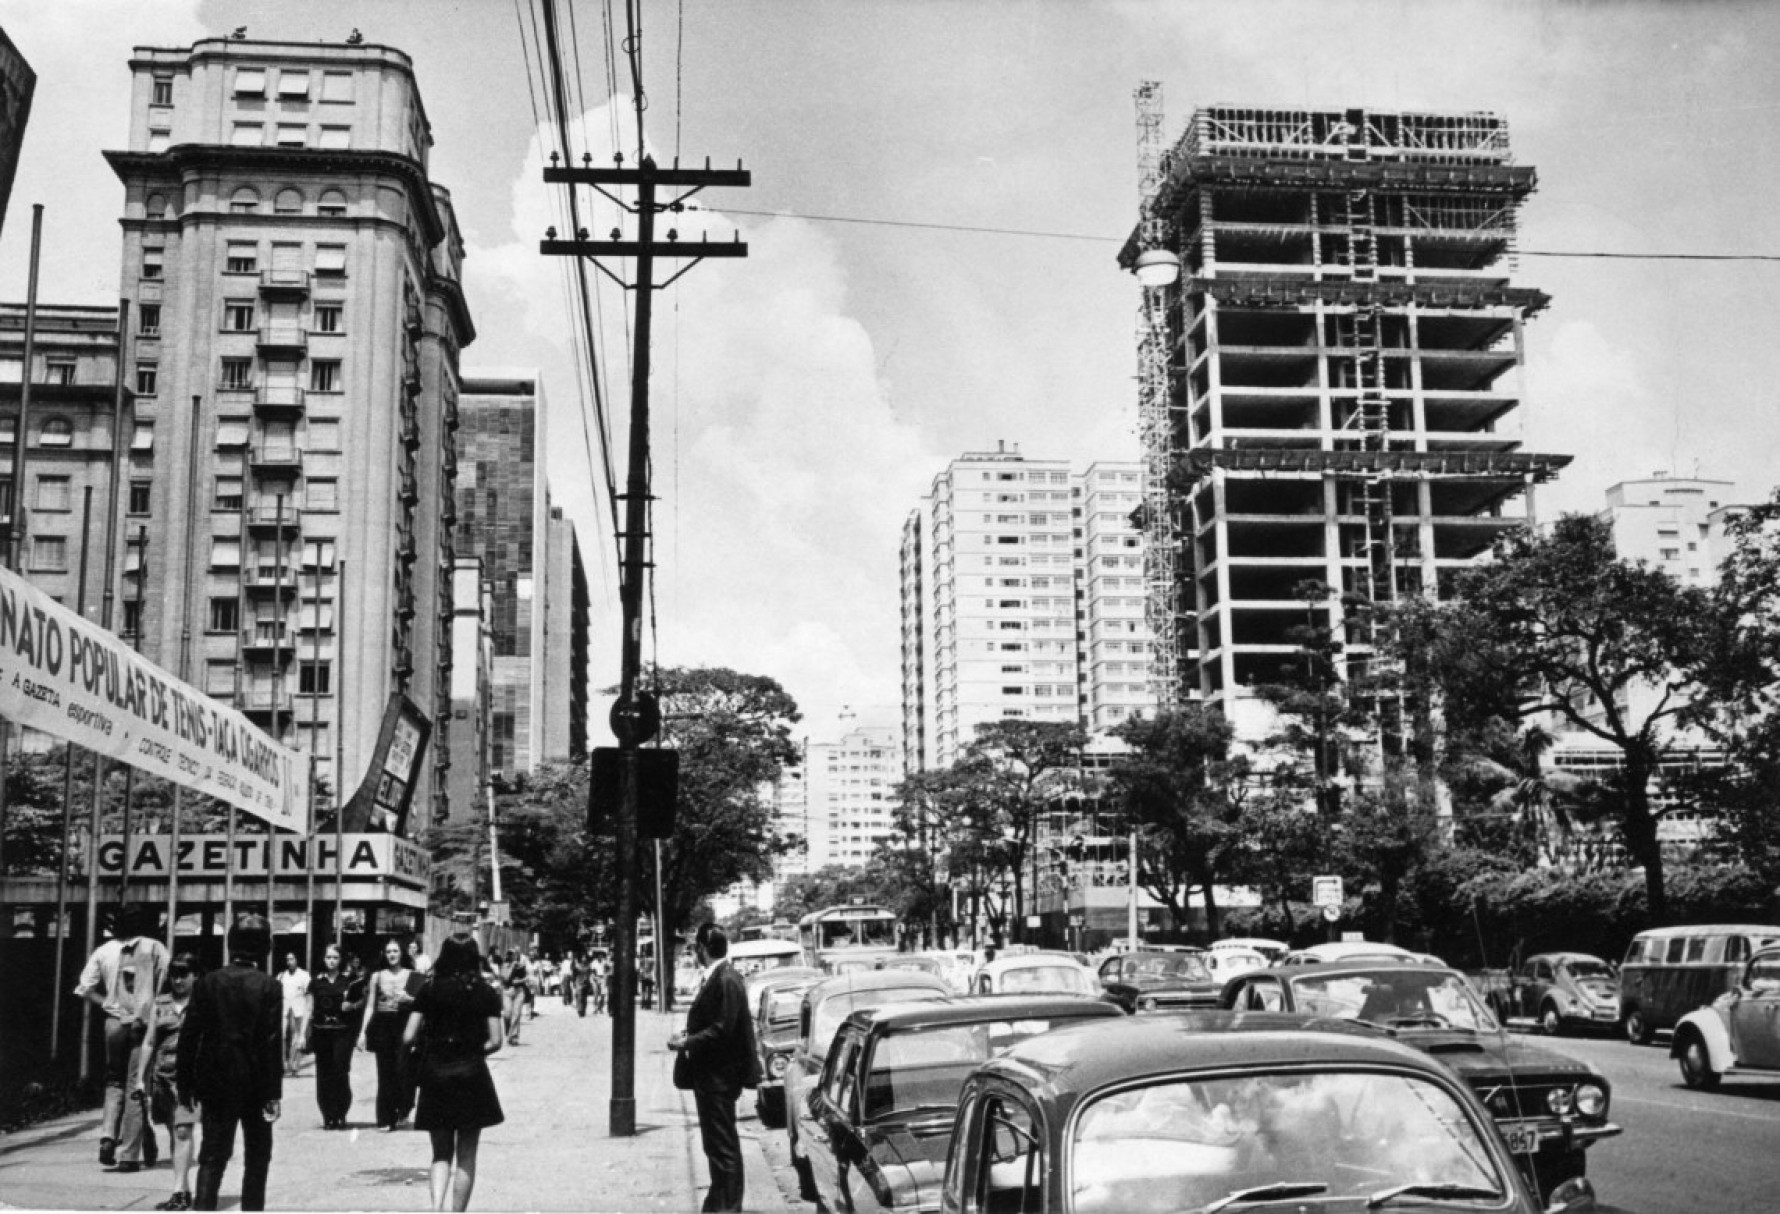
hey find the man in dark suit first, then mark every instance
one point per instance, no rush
(231, 1064)
(717, 1060)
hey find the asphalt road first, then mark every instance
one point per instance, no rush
(1682, 1152)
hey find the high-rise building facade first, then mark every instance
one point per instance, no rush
(1330, 387)
(295, 280)
(472, 691)
(1021, 596)
(530, 558)
(1672, 523)
(849, 791)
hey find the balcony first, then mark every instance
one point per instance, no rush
(283, 339)
(278, 400)
(266, 580)
(267, 645)
(285, 283)
(269, 520)
(285, 460)
(410, 489)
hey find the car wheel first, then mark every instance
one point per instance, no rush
(1550, 1021)
(1696, 1064)
(1637, 1027)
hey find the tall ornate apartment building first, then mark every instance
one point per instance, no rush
(295, 283)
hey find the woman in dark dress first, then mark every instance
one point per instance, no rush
(458, 1016)
(338, 1000)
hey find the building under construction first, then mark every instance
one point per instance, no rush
(1329, 383)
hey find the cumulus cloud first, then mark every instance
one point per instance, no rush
(781, 473)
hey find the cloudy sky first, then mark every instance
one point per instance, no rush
(805, 397)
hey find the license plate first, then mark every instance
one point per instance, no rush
(1522, 1140)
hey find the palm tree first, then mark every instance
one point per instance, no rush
(1551, 807)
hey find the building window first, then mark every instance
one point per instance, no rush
(237, 374)
(292, 134)
(247, 134)
(250, 82)
(333, 203)
(228, 494)
(50, 553)
(312, 678)
(321, 494)
(139, 496)
(231, 432)
(132, 617)
(225, 554)
(238, 315)
(148, 320)
(56, 432)
(243, 257)
(324, 375)
(336, 86)
(245, 201)
(52, 492)
(293, 83)
(330, 259)
(288, 202)
(225, 615)
(336, 137)
(324, 435)
(327, 318)
(163, 91)
(143, 437)
(59, 371)
(151, 261)
(155, 207)
(158, 140)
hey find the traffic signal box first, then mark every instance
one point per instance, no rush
(658, 790)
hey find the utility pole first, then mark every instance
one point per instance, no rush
(636, 716)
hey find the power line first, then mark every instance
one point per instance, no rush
(992, 231)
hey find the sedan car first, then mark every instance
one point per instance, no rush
(776, 997)
(1159, 981)
(825, 1006)
(1547, 1106)
(1208, 1111)
(1562, 991)
(1347, 950)
(1035, 973)
(883, 1107)
(1739, 1030)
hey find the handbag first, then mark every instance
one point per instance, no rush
(682, 1071)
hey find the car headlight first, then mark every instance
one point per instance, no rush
(1148, 1005)
(1591, 1100)
(775, 1066)
(1558, 1100)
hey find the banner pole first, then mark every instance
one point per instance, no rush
(240, 693)
(123, 868)
(339, 753)
(80, 606)
(185, 658)
(278, 693)
(314, 732)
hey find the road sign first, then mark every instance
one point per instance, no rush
(1325, 891)
(1331, 913)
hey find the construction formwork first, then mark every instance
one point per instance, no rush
(1332, 385)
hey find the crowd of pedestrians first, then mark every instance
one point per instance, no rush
(204, 1056)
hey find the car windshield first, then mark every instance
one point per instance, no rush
(1588, 969)
(1393, 997)
(1069, 979)
(826, 1021)
(1181, 967)
(1185, 1144)
(783, 1005)
(926, 1068)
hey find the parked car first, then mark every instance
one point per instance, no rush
(1347, 950)
(1739, 1030)
(776, 997)
(884, 1105)
(913, 961)
(1150, 981)
(1273, 950)
(1035, 973)
(1207, 1111)
(826, 1005)
(1561, 991)
(1546, 1106)
(1226, 963)
(1670, 971)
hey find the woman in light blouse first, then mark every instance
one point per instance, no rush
(386, 1011)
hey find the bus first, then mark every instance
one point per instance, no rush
(777, 930)
(842, 938)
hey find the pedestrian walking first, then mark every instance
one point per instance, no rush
(229, 1066)
(157, 1081)
(513, 979)
(121, 979)
(458, 1017)
(418, 961)
(337, 1006)
(716, 1061)
(294, 980)
(390, 995)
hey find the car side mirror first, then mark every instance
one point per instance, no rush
(1574, 1196)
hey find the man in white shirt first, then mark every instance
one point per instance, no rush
(121, 979)
(295, 981)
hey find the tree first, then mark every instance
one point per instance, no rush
(1558, 624)
(1181, 786)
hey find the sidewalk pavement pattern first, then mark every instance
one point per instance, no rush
(552, 1152)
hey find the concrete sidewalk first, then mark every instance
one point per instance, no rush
(551, 1153)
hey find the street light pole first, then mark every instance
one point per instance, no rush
(636, 716)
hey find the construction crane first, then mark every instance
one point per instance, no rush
(1161, 535)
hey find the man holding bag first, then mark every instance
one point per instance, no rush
(716, 1060)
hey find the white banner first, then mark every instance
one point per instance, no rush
(71, 678)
